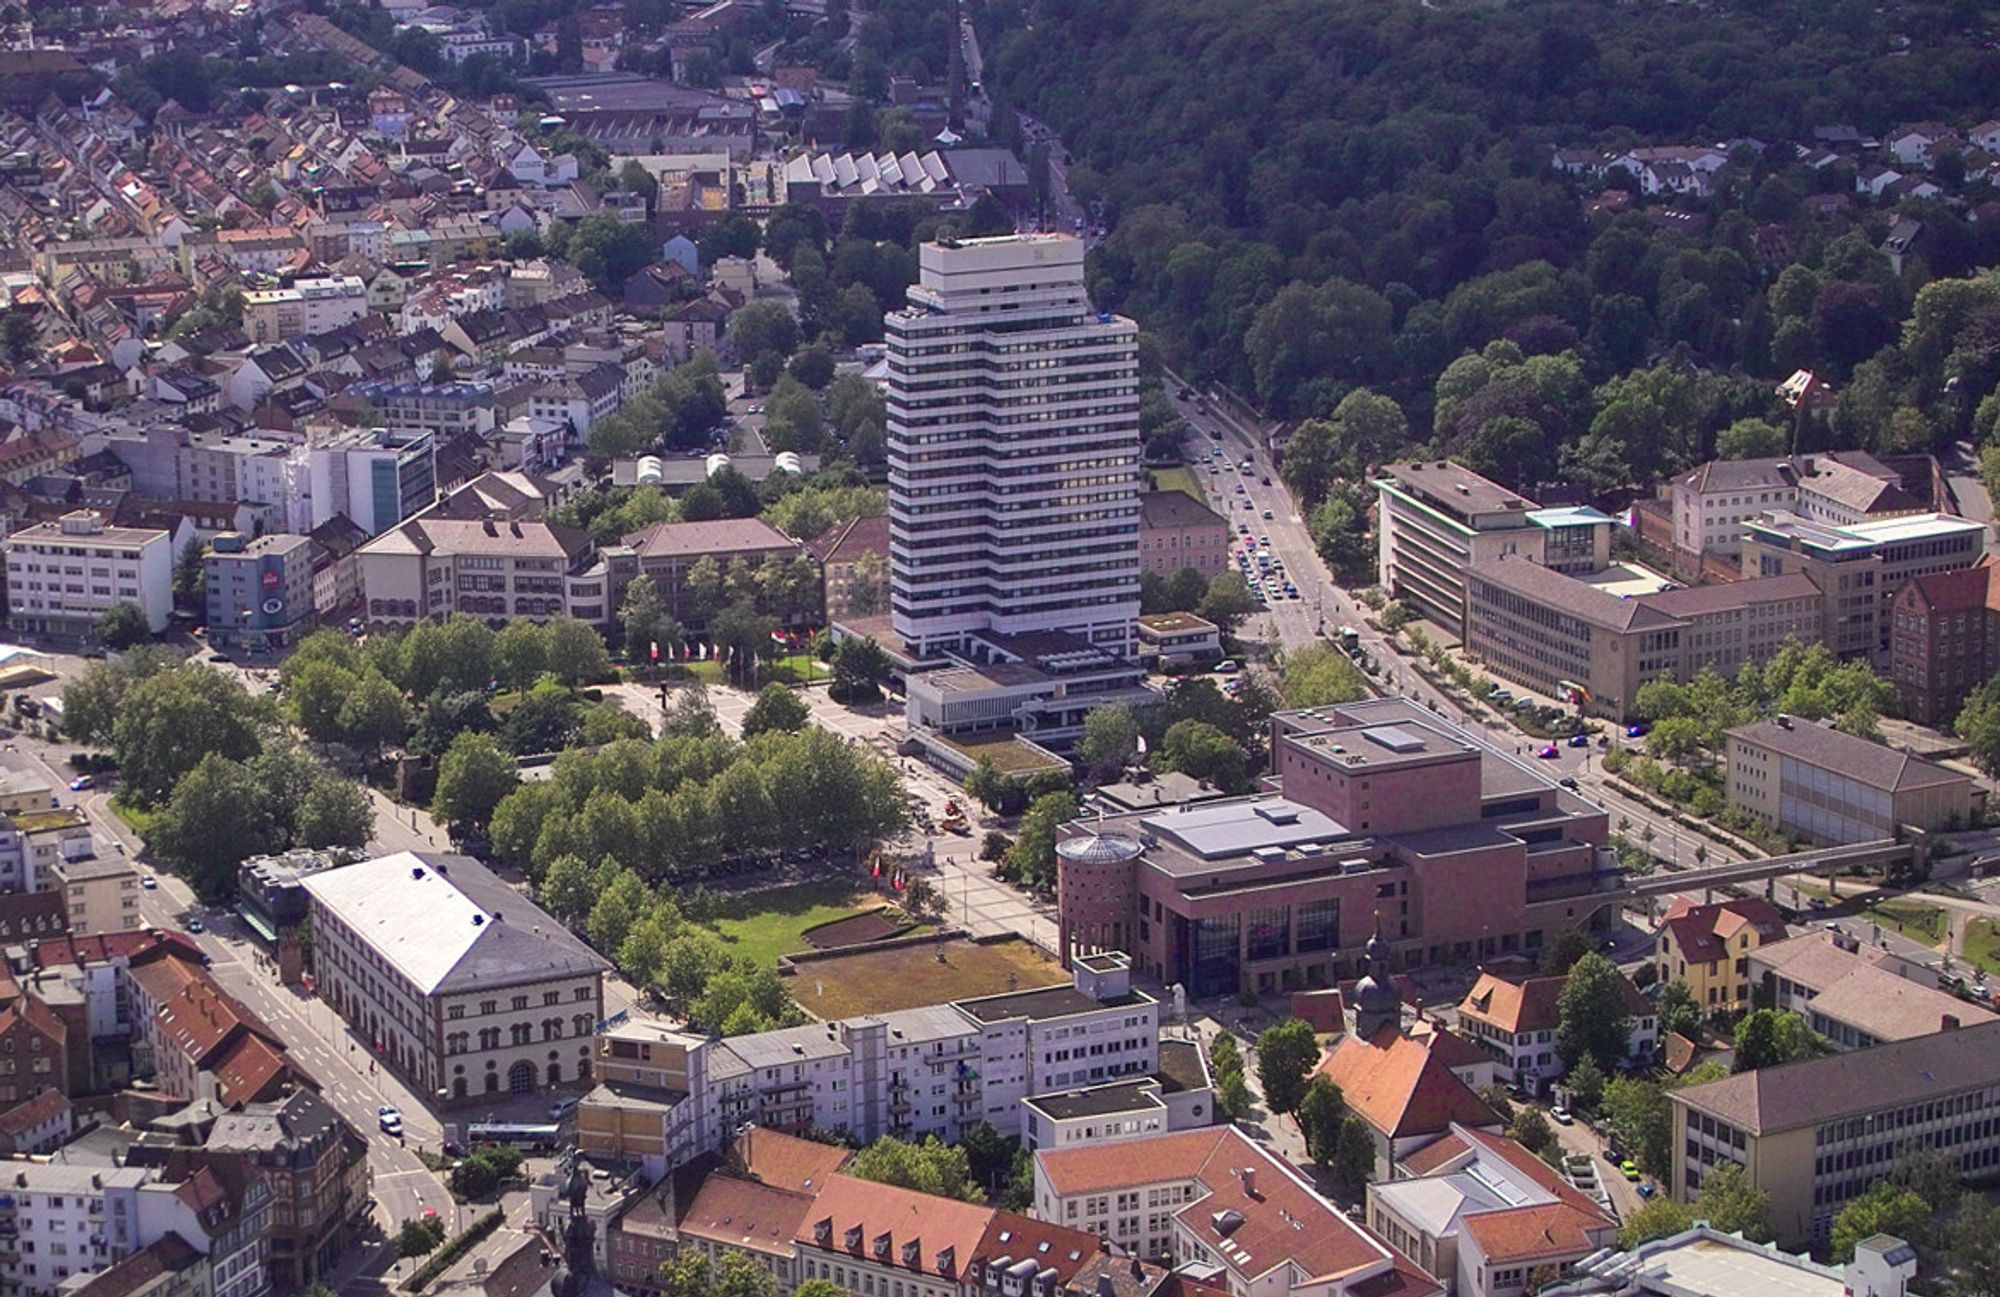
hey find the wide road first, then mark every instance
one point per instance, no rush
(1324, 607)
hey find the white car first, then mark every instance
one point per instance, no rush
(1560, 1115)
(390, 1120)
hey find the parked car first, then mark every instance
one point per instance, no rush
(1630, 1170)
(81, 782)
(1568, 782)
(1635, 731)
(1224, 667)
(1560, 1115)
(1579, 740)
(196, 925)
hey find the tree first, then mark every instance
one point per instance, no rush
(419, 1235)
(1562, 952)
(1978, 724)
(1591, 1013)
(1658, 1217)
(763, 328)
(932, 1167)
(1032, 858)
(333, 813)
(1202, 751)
(1972, 1247)
(576, 652)
(521, 652)
(168, 722)
(859, 668)
(215, 820)
(1321, 1113)
(1642, 1117)
(1751, 439)
(777, 708)
(1731, 1204)
(1354, 1155)
(1319, 675)
(1585, 1085)
(1768, 1037)
(1532, 1131)
(1286, 1056)
(122, 625)
(1678, 1012)
(472, 778)
(374, 715)
(1227, 602)
(1887, 1208)
(1110, 740)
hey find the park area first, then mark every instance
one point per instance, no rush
(810, 916)
(910, 976)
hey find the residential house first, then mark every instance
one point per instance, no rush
(1707, 946)
(1517, 1020)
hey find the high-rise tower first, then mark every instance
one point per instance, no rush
(1014, 447)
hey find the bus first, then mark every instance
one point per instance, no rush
(529, 1138)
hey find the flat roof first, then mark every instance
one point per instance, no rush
(1099, 1101)
(1045, 1003)
(1457, 486)
(1862, 536)
(1236, 828)
(1380, 746)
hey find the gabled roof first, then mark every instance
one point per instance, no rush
(772, 1157)
(1702, 932)
(1400, 1088)
(746, 1214)
(939, 1227)
(1876, 765)
(1530, 1004)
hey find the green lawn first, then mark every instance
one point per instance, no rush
(1982, 944)
(1177, 479)
(765, 925)
(1915, 920)
(139, 821)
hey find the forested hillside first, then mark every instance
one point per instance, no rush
(1308, 196)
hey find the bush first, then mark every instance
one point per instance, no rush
(450, 1254)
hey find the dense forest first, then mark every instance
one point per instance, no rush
(1306, 197)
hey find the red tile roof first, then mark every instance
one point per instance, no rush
(1432, 1157)
(25, 1116)
(745, 1214)
(1100, 1167)
(1010, 1236)
(1525, 1234)
(1283, 1220)
(887, 1217)
(786, 1161)
(1530, 1004)
(1400, 1088)
(1702, 932)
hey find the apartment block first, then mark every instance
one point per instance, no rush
(308, 306)
(1809, 780)
(1384, 813)
(259, 591)
(1439, 519)
(317, 1167)
(1944, 641)
(463, 985)
(99, 895)
(432, 567)
(1013, 435)
(63, 575)
(1860, 568)
(1568, 639)
(1856, 996)
(1817, 1134)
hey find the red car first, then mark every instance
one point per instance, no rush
(1548, 752)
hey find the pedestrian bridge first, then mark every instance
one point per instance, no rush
(1884, 854)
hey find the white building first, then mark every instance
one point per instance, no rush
(1013, 436)
(498, 569)
(308, 306)
(63, 575)
(1063, 1037)
(459, 981)
(376, 478)
(1702, 1262)
(1516, 1022)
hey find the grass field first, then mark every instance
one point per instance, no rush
(1177, 479)
(1982, 944)
(908, 977)
(135, 819)
(1915, 920)
(765, 925)
(1008, 756)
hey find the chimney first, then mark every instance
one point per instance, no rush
(1250, 1181)
(1948, 1022)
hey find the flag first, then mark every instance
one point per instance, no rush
(877, 871)
(654, 645)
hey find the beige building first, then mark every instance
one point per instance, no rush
(63, 575)
(1815, 1135)
(1814, 782)
(1856, 995)
(1568, 639)
(431, 567)
(1712, 503)
(98, 895)
(1438, 519)
(1176, 531)
(308, 306)
(650, 1103)
(459, 982)
(1860, 568)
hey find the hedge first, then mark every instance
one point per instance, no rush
(448, 1255)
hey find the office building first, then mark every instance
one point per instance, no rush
(1214, 1198)
(308, 306)
(63, 575)
(669, 552)
(1712, 503)
(1178, 531)
(1704, 1262)
(1570, 640)
(1860, 568)
(259, 592)
(375, 477)
(1439, 519)
(1462, 850)
(1944, 641)
(1516, 1022)
(1816, 1134)
(1809, 780)
(1482, 1213)
(463, 985)
(1038, 685)
(1013, 435)
(1856, 996)
(1707, 946)
(432, 567)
